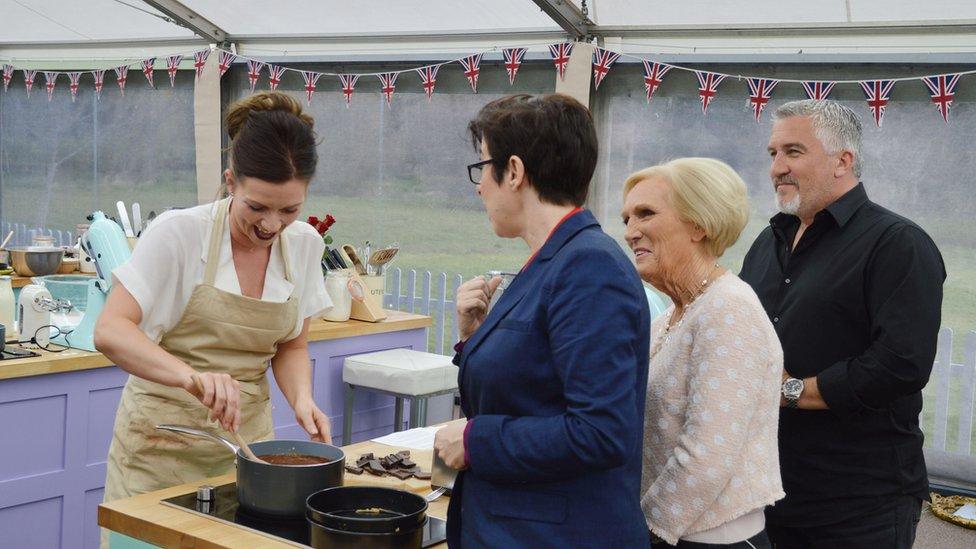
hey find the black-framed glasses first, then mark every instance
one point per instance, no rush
(474, 170)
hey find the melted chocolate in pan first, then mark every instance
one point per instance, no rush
(293, 459)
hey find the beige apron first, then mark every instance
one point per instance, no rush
(219, 332)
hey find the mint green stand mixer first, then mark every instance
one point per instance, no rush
(106, 244)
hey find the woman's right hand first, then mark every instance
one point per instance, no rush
(219, 392)
(472, 303)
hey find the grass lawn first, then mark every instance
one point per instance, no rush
(457, 239)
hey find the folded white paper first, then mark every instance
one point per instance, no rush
(967, 511)
(421, 438)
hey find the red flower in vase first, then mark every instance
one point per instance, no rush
(322, 226)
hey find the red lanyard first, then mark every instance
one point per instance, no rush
(575, 211)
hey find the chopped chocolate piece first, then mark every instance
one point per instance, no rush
(398, 465)
(422, 475)
(400, 474)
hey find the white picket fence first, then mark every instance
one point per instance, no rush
(951, 396)
(24, 235)
(434, 297)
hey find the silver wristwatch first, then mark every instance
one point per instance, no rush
(792, 389)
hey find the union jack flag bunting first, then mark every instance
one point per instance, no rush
(878, 93)
(388, 81)
(224, 59)
(121, 75)
(513, 60)
(653, 76)
(707, 85)
(8, 75)
(347, 83)
(428, 78)
(254, 72)
(760, 90)
(200, 61)
(942, 88)
(560, 57)
(29, 80)
(602, 61)
(818, 91)
(471, 66)
(311, 78)
(74, 77)
(173, 65)
(148, 65)
(99, 80)
(50, 80)
(274, 76)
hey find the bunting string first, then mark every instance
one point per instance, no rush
(877, 92)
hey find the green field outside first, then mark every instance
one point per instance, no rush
(452, 239)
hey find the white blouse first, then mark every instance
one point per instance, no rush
(171, 256)
(711, 461)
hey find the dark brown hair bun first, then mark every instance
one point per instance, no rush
(271, 138)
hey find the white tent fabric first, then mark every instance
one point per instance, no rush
(52, 30)
(49, 21)
(776, 12)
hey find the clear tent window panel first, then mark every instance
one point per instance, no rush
(915, 165)
(396, 173)
(63, 159)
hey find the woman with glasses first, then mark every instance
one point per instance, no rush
(553, 379)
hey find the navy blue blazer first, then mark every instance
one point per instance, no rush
(554, 382)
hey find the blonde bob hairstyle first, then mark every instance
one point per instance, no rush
(706, 192)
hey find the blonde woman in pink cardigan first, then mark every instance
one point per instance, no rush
(710, 454)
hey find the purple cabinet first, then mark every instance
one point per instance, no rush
(55, 431)
(373, 414)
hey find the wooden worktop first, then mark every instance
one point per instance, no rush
(17, 281)
(144, 517)
(72, 360)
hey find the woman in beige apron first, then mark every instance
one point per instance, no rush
(224, 339)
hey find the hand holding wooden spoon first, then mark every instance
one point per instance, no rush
(222, 401)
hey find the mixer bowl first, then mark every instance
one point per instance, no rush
(74, 288)
(36, 261)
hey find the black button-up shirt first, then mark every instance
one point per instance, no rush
(856, 304)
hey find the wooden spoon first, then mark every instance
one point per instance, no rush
(354, 257)
(237, 437)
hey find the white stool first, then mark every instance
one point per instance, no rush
(401, 373)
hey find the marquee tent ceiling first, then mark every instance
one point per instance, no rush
(50, 30)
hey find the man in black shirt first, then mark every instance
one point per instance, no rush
(855, 294)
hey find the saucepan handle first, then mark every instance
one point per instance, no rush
(199, 433)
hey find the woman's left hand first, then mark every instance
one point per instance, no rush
(449, 444)
(313, 420)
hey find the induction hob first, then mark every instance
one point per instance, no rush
(224, 508)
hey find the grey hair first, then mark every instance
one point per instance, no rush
(837, 127)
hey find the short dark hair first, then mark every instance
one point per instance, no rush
(554, 136)
(271, 138)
